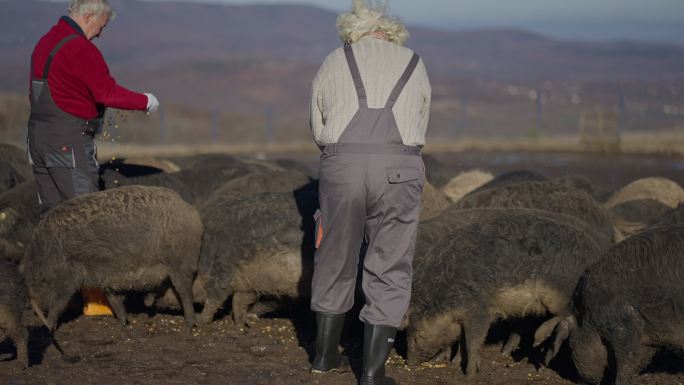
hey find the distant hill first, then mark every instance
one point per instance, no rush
(243, 58)
(154, 34)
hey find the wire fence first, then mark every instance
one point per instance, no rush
(534, 115)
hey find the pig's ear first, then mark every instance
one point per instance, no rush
(39, 312)
(545, 330)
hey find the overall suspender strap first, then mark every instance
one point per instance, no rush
(402, 81)
(59, 45)
(356, 75)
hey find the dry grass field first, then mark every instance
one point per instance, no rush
(664, 144)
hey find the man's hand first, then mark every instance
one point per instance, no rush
(152, 103)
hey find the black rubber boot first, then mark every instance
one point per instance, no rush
(377, 343)
(328, 357)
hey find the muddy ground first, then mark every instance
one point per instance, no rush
(276, 349)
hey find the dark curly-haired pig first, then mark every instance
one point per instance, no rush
(495, 264)
(112, 179)
(432, 202)
(672, 217)
(201, 161)
(244, 187)
(432, 231)
(509, 178)
(17, 158)
(293, 165)
(262, 245)
(548, 196)
(19, 215)
(9, 177)
(640, 210)
(436, 172)
(194, 185)
(582, 183)
(13, 301)
(204, 174)
(661, 189)
(126, 239)
(258, 182)
(223, 161)
(204, 181)
(198, 177)
(628, 305)
(631, 217)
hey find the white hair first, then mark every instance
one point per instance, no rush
(95, 7)
(368, 17)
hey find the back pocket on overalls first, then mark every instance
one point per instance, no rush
(62, 157)
(403, 174)
(406, 185)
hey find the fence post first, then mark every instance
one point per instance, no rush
(214, 125)
(269, 125)
(464, 116)
(540, 109)
(621, 113)
(162, 126)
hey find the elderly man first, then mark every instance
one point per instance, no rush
(369, 114)
(70, 88)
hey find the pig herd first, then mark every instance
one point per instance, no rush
(602, 273)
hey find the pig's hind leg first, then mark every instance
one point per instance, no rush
(116, 301)
(183, 285)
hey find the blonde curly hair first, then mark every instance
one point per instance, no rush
(368, 17)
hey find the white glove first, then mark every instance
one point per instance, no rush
(152, 103)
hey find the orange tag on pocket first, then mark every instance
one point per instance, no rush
(319, 233)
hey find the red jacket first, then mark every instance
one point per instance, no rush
(79, 78)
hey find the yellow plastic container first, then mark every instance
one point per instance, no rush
(95, 303)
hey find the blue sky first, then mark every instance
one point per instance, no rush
(512, 10)
(587, 19)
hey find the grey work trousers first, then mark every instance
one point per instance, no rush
(377, 195)
(63, 174)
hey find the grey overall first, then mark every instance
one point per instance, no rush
(370, 184)
(60, 146)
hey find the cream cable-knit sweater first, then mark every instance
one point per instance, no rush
(334, 101)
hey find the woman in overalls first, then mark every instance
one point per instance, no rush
(369, 113)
